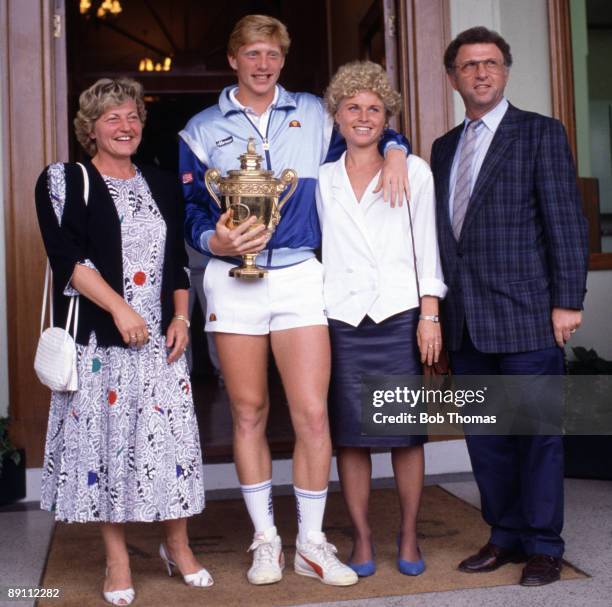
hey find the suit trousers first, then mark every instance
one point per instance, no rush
(520, 478)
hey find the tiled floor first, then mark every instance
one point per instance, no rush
(25, 536)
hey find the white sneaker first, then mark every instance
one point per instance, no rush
(268, 558)
(317, 558)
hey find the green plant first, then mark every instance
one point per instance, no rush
(6, 446)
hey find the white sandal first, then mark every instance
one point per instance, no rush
(114, 597)
(200, 578)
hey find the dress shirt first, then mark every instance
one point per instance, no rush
(484, 136)
(367, 251)
(260, 121)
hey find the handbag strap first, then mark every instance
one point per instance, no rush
(48, 290)
(85, 183)
(414, 259)
(43, 309)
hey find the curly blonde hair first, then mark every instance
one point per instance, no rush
(100, 97)
(358, 76)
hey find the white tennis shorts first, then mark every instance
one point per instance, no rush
(285, 298)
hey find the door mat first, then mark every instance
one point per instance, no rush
(449, 530)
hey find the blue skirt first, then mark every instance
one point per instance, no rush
(387, 348)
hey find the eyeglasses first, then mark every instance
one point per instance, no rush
(471, 67)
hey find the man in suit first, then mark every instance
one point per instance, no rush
(513, 243)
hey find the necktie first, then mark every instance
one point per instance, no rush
(464, 177)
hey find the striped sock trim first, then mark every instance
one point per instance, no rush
(310, 495)
(310, 506)
(256, 487)
(258, 500)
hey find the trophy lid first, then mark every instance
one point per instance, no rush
(250, 181)
(250, 160)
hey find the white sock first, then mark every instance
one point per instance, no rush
(310, 510)
(258, 500)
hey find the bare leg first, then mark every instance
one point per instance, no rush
(177, 545)
(119, 576)
(355, 472)
(244, 363)
(303, 359)
(408, 469)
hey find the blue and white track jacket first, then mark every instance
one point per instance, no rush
(300, 136)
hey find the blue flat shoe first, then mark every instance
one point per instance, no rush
(410, 567)
(363, 569)
(366, 568)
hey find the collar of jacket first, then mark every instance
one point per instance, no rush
(227, 107)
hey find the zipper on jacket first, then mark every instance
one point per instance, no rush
(264, 140)
(265, 144)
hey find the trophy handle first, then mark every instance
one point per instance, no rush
(212, 177)
(288, 177)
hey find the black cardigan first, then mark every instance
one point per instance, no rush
(94, 232)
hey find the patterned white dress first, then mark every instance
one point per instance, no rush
(125, 446)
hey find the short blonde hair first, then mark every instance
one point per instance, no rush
(254, 28)
(358, 76)
(100, 97)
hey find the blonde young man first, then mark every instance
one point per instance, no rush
(284, 312)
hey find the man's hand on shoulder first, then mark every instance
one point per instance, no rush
(565, 322)
(393, 178)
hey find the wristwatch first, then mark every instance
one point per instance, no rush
(435, 318)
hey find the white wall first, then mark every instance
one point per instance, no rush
(4, 384)
(580, 53)
(524, 25)
(596, 330)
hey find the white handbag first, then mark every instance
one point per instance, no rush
(55, 362)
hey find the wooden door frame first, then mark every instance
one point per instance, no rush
(416, 34)
(424, 32)
(35, 133)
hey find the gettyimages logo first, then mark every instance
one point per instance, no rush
(525, 405)
(423, 395)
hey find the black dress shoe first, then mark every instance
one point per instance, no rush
(540, 570)
(489, 558)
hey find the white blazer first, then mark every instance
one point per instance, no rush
(367, 250)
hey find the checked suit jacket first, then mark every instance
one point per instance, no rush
(523, 248)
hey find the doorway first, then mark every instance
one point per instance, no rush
(56, 51)
(177, 50)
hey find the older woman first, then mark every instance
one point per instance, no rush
(125, 446)
(378, 324)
